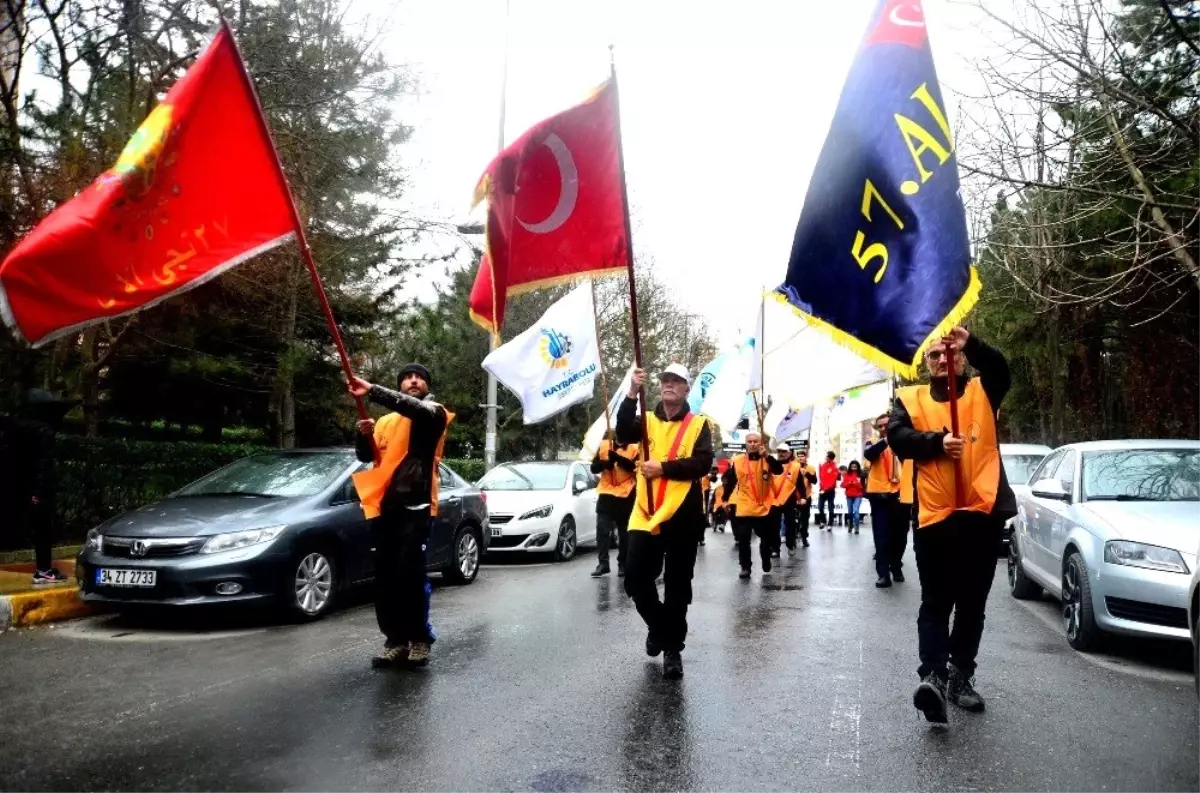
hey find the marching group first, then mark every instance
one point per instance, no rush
(656, 507)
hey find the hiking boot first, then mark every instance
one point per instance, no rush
(48, 576)
(601, 569)
(961, 691)
(672, 665)
(418, 653)
(653, 649)
(745, 573)
(391, 655)
(883, 583)
(898, 577)
(930, 698)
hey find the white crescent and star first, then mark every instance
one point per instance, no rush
(897, 19)
(569, 193)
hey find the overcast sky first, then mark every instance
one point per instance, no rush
(724, 110)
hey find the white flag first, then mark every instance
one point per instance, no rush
(554, 364)
(782, 422)
(595, 433)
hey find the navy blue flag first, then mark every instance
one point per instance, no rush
(881, 257)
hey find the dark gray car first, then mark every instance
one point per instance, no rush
(283, 526)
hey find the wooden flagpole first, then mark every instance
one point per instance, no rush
(633, 306)
(302, 238)
(608, 432)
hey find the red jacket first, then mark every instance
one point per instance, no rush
(828, 475)
(853, 484)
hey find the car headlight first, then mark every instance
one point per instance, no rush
(95, 541)
(540, 512)
(241, 539)
(1138, 554)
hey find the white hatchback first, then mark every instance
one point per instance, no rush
(540, 507)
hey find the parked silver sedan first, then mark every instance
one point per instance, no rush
(1111, 529)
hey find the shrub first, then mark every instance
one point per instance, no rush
(470, 469)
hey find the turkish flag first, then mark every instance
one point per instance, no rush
(195, 192)
(556, 209)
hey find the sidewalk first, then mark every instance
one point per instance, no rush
(23, 604)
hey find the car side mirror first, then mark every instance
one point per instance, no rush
(579, 487)
(1051, 489)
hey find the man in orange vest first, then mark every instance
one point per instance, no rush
(400, 496)
(804, 488)
(749, 487)
(889, 528)
(957, 534)
(788, 487)
(616, 463)
(668, 512)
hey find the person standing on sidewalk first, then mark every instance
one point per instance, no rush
(616, 463)
(852, 483)
(749, 483)
(787, 494)
(958, 532)
(29, 474)
(883, 493)
(668, 512)
(829, 475)
(399, 495)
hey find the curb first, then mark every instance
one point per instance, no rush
(23, 609)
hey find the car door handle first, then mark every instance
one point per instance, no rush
(453, 499)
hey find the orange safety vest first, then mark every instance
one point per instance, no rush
(616, 481)
(752, 497)
(908, 483)
(803, 484)
(391, 438)
(785, 484)
(668, 440)
(980, 463)
(884, 476)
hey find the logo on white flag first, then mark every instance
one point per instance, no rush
(555, 348)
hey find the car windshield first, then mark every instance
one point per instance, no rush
(275, 474)
(1019, 467)
(525, 476)
(1142, 475)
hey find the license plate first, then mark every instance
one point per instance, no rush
(107, 576)
(495, 532)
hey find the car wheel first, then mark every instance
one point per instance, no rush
(464, 561)
(1019, 584)
(1078, 618)
(312, 585)
(568, 541)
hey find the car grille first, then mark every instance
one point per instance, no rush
(508, 540)
(499, 520)
(1150, 613)
(156, 548)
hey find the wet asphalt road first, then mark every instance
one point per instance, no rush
(797, 680)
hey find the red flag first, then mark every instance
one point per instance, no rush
(555, 207)
(195, 192)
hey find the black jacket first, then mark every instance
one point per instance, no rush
(607, 503)
(995, 378)
(27, 467)
(412, 481)
(691, 513)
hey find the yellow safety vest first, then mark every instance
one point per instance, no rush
(668, 440)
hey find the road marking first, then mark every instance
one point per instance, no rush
(1104, 661)
(845, 716)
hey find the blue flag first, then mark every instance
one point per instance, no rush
(881, 256)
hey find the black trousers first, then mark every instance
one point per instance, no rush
(790, 514)
(605, 525)
(401, 587)
(764, 528)
(39, 523)
(899, 522)
(826, 497)
(672, 553)
(956, 560)
(885, 513)
(802, 514)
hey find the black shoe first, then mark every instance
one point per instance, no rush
(856, 530)
(774, 554)
(766, 564)
(601, 569)
(701, 542)
(930, 698)
(805, 542)
(652, 648)
(620, 571)
(898, 577)
(961, 691)
(672, 665)
(883, 583)
(745, 573)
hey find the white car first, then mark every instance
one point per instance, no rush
(540, 507)
(1020, 460)
(1194, 621)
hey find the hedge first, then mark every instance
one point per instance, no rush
(99, 478)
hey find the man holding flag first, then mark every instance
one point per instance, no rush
(616, 463)
(749, 488)
(668, 514)
(958, 532)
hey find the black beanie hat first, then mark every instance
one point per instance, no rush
(417, 369)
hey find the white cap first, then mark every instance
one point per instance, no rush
(678, 370)
(782, 447)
